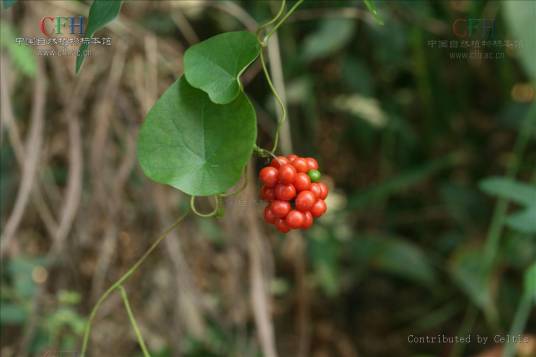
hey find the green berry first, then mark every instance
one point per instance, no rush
(314, 175)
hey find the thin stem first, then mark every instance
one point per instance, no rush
(264, 153)
(123, 279)
(274, 29)
(133, 321)
(263, 42)
(278, 99)
(277, 16)
(205, 215)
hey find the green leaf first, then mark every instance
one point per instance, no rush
(518, 250)
(518, 192)
(21, 55)
(324, 252)
(12, 314)
(68, 297)
(21, 270)
(192, 144)
(364, 108)
(395, 256)
(530, 281)
(100, 14)
(322, 43)
(216, 64)
(372, 8)
(519, 16)
(523, 221)
(8, 3)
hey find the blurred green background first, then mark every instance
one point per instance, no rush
(424, 127)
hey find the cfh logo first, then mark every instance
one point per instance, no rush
(58, 25)
(466, 28)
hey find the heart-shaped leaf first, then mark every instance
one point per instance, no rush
(215, 65)
(195, 145)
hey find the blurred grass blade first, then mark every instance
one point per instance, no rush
(526, 304)
(21, 55)
(519, 16)
(365, 108)
(501, 207)
(466, 272)
(399, 183)
(395, 256)
(523, 221)
(324, 252)
(513, 190)
(100, 14)
(437, 317)
(322, 43)
(466, 269)
(372, 8)
(530, 282)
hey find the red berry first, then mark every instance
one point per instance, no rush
(269, 215)
(268, 175)
(300, 165)
(295, 219)
(312, 163)
(316, 189)
(280, 208)
(308, 220)
(319, 208)
(314, 175)
(287, 173)
(305, 200)
(284, 192)
(302, 182)
(281, 225)
(292, 157)
(324, 190)
(267, 193)
(279, 161)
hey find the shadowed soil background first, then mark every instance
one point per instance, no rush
(408, 120)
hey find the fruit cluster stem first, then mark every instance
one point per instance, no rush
(263, 41)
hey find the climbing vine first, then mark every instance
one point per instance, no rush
(200, 134)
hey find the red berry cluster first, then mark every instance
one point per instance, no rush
(293, 195)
